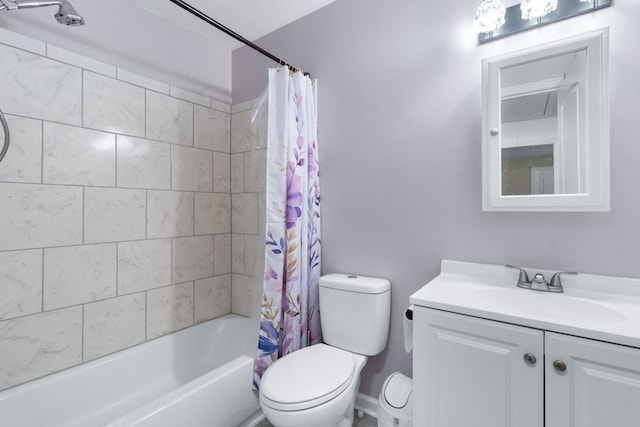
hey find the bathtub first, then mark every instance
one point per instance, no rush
(200, 376)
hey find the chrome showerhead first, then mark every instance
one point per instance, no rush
(66, 15)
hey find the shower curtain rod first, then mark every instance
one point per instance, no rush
(195, 12)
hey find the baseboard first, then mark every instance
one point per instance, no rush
(367, 404)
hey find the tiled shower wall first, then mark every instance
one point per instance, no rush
(248, 177)
(115, 210)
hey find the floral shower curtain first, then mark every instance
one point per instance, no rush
(290, 313)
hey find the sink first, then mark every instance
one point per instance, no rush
(604, 308)
(562, 307)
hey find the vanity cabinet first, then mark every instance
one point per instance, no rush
(470, 371)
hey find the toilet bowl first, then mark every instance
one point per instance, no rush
(317, 386)
(313, 387)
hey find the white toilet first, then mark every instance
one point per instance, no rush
(317, 386)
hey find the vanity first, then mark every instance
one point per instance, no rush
(488, 353)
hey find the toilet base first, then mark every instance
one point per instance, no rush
(317, 417)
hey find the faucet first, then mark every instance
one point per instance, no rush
(539, 283)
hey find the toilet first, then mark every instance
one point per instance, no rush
(317, 385)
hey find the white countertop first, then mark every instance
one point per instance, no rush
(604, 308)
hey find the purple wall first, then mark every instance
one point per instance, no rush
(399, 123)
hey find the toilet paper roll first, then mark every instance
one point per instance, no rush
(407, 323)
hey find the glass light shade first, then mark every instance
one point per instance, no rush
(532, 9)
(489, 16)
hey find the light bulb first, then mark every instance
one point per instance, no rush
(532, 9)
(489, 16)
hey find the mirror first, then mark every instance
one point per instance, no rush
(546, 127)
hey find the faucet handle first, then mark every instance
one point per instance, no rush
(523, 279)
(555, 285)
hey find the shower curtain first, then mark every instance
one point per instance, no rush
(290, 318)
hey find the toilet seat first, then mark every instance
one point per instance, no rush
(307, 378)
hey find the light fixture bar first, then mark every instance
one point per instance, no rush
(566, 9)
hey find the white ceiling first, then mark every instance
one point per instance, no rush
(250, 18)
(157, 39)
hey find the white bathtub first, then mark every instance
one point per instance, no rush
(197, 377)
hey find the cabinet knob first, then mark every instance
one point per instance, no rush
(559, 365)
(494, 132)
(530, 358)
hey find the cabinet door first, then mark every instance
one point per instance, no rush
(471, 372)
(600, 386)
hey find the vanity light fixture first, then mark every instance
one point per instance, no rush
(493, 20)
(532, 9)
(489, 16)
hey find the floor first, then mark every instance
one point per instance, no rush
(365, 421)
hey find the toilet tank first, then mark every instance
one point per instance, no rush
(354, 312)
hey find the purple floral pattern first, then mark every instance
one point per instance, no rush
(290, 312)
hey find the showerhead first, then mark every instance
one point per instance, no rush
(66, 15)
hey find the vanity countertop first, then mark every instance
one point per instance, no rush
(603, 308)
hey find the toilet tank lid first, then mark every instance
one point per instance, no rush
(354, 283)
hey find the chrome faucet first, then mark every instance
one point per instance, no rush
(539, 283)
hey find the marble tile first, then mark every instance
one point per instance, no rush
(37, 345)
(237, 253)
(237, 173)
(262, 215)
(23, 42)
(221, 172)
(220, 106)
(113, 214)
(113, 324)
(254, 255)
(191, 169)
(192, 258)
(244, 213)
(112, 105)
(221, 254)
(78, 274)
(212, 297)
(169, 309)
(143, 163)
(73, 155)
(169, 119)
(213, 213)
(242, 295)
(255, 170)
(35, 216)
(81, 61)
(21, 283)
(211, 129)
(144, 264)
(244, 133)
(169, 214)
(23, 161)
(186, 95)
(137, 79)
(243, 106)
(39, 87)
(263, 125)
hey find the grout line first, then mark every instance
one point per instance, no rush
(84, 207)
(42, 152)
(42, 285)
(117, 269)
(82, 333)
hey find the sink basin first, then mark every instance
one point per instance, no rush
(604, 308)
(545, 304)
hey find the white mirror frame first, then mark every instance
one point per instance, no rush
(596, 197)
